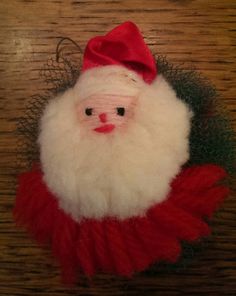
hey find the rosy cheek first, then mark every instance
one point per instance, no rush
(85, 117)
(89, 121)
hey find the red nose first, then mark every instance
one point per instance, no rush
(103, 117)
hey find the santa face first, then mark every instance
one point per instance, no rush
(105, 113)
(111, 145)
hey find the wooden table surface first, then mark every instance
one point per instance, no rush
(197, 33)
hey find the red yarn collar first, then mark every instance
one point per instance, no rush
(121, 247)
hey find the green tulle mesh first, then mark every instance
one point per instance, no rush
(212, 137)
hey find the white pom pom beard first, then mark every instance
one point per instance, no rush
(120, 174)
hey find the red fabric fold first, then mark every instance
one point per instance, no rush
(124, 45)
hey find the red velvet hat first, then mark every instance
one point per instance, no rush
(124, 45)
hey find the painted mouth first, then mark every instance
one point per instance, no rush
(106, 128)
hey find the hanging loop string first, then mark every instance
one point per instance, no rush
(58, 49)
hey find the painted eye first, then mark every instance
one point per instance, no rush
(88, 111)
(120, 111)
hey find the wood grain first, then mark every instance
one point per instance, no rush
(197, 33)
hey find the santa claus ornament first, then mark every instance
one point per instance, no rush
(132, 159)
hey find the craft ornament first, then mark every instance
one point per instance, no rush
(123, 176)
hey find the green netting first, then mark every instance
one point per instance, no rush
(212, 138)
